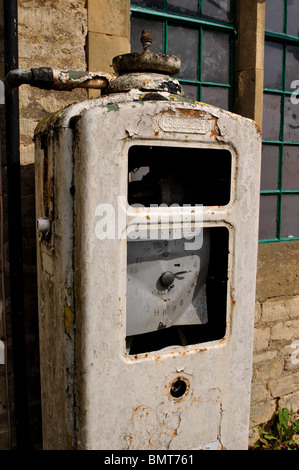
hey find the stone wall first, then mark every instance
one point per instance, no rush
(275, 379)
(51, 34)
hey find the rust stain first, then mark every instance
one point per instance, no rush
(191, 112)
(257, 126)
(214, 131)
(181, 398)
(169, 111)
(214, 134)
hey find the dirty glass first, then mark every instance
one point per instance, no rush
(273, 65)
(290, 170)
(137, 25)
(183, 42)
(158, 4)
(191, 91)
(274, 15)
(218, 10)
(292, 65)
(293, 18)
(215, 57)
(184, 8)
(290, 216)
(291, 121)
(216, 96)
(269, 173)
(271, 117)
(268, 216)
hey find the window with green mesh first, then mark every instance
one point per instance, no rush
(201, 33)
(279, 208)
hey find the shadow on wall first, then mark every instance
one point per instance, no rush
(30, 304)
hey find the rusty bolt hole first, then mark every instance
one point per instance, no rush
(178, 388)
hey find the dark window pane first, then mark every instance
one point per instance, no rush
(158, 4)
(216, 96)
(269, 173)
(292, 66)
(184, 8)
(293, 16)
(218, 10)
(215, 57)
(268, 214)
(138, 25)
(274, 15)
(191, 91)
(183, 42)
(290, 169)
(273, 65)
(271, 117)
(291, 121)
(290, 216)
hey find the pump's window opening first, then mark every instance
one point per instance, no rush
(198, 287)
(202, 33)
(179, 175)
(177, 296)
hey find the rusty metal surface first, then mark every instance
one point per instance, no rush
(78, 79)
(145, 82)
(147, 62)
(52, 79)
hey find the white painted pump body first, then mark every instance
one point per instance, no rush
(95, 394)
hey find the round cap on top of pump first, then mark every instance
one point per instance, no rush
(147, 61)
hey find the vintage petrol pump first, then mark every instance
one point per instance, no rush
(147, 217)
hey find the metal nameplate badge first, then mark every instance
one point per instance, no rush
(193, 125)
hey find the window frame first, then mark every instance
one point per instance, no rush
(285, 40)
(200, 23)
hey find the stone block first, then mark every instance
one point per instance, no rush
(277, 270)
(280, 309)
(259, 393)
(262, 412)
(267, 370)
(288, 330)
(284, 385)
(101, 50)
(108, 17)
(264, 356)
(258, 312)
(261, 338)
(290, 401)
